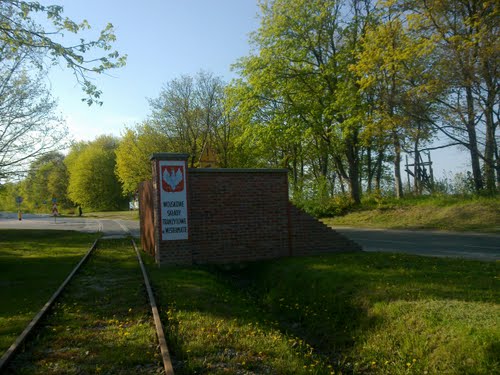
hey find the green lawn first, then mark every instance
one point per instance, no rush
(102, 323)
(362, 313)
(120, 215)
(32, 266)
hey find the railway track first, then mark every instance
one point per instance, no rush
(95, 287)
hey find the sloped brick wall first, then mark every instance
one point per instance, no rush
(242, 215)
(312, 237)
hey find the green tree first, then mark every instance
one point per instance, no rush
(396, 69)
(191, 112)
(92, 180)
(29, 127)
(298, 88)
(48, 179)
(133, 163)
(21, 35)
(467, 36)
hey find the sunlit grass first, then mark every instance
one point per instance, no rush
(442, 213)
(102, 323)
(115, 215)
(363, 313)
(386, 313)
(216, 329)
(32, 266)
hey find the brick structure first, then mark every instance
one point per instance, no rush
(236, 215)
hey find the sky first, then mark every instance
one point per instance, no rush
(164, 39)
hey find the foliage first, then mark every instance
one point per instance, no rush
(133, 154)
(92, 180)
(336, 90)
(29, 127)
(21, 35)
(297, 91)
(191, 112)
(47, 179)
(8, 193)
(316, 201)
(467, 40)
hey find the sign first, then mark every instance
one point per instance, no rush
(55, 212)
(173, 201)
(19, 200)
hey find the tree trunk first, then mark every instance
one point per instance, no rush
(489, 151)
(378, 166)
(353, 167)
(369, 170)
(471, 132)
(398, 185)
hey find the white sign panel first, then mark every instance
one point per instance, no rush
(174, 216)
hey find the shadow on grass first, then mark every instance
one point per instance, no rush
(32, 266)
(326, 303)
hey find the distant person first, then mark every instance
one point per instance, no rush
(80, 212)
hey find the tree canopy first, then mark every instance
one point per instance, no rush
(20, 35)
(92, 180)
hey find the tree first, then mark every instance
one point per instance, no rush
(92, 181)
(396, 69)
(467, 35)
(28, 125)
(133, 163)
(48, 179)
(300, 86)
(21, 35)
(192, 113)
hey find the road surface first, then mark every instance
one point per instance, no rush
(109, 227)
(429, 243)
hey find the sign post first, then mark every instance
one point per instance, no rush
(55, 212)
(19, 200)
(173, 200)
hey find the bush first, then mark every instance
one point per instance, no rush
(327, 207)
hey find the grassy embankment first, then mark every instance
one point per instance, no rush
(360, 313)
(463, 214)
(101, 324)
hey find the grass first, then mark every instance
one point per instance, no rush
(463, 214)
(32, 266)
(214, 328)
(115, 215)
(102, 323)
(361, 313)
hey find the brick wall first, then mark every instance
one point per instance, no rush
(312, 237)
(242, 215)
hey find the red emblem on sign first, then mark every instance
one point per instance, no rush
(172, 178)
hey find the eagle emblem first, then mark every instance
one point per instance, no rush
(172, 178)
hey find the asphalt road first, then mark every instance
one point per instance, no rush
(109, 228)
(429, 243)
